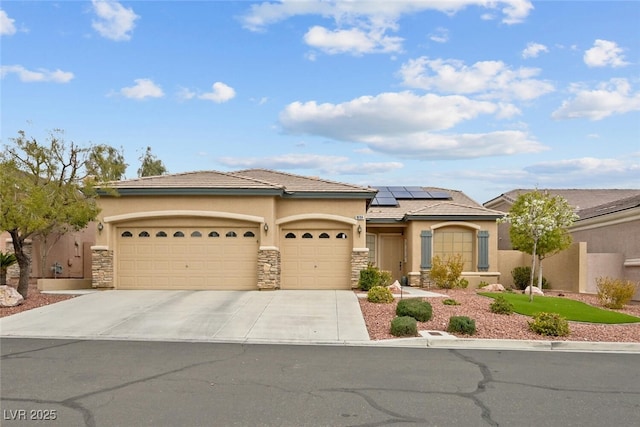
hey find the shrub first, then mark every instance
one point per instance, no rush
(550, 324)
(615, 293)
(369, 277)
(482, 284)
(462, 325)
(414, 307)
(522, 278)
(446, 274)
(380, 294)
(404, 326)
(501, 306)
(373, 276)
(450, 301)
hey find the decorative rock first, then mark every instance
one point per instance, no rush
(536, 291)
(395, 287)
(494, 287)
(9, 297)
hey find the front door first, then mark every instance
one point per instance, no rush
(392, 255)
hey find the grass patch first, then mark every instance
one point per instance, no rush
(568, 308)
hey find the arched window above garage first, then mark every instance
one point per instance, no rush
(178, 234)
(307, 236)
(143, 234)
(161, 234)
(196, 234)
(231, 234)
(341, 236)
(126, 234)
(213, 234)
(249, 234)
(324, 235)
(290, 236)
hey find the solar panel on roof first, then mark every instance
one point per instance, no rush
(421, 195)
(384, 201)
(393, 189)
(402, 195)
(413, 189)
(440, 194)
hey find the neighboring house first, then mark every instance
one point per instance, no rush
(251, 229)
(408, 226)
(68, 255)
(608, 227)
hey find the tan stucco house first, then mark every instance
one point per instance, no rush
(408, 226)
(251, 229)
(264, 229)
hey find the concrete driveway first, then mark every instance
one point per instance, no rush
(212, 316)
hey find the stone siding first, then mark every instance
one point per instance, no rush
(269, 269)
(102, 268)
(359, 262)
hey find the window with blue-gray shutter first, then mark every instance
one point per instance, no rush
(483, 250)
(426, 237)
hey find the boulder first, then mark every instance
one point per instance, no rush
(536, 291)
(494, 287)
(395, 287)
(9, 297)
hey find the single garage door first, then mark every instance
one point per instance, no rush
(187, 258)
(316, 259)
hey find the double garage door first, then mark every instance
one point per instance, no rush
(226, 258)
(187, 258)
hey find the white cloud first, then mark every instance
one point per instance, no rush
(41, 75)
(405, 124)
(114, 21)
(335, 165)
(487, 79)
(361, 27)
(604, 53)
(355, 41)
(612, 97)
(184, 94)
(440, 35)
(144, 88)
(220, 93)
(533, 50)
(7, 28)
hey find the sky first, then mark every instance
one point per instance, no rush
(472, 95)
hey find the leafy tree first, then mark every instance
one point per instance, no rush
(44, 189)
(106, 162)
(151, 165)
(539, 226)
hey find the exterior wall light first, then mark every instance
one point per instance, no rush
(100, 226)
(359, 229)
(266, 227)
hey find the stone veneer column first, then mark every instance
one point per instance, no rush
(101, 267)
(359, 261)
(425, 281)
(269, 269)
(415, 280)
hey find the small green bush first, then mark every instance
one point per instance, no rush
(615, 293)
(462, 325)
(404, 326)
(380, 294)
(482, 284)
(445, 274)
(416, 308)
(522, 278)
(450, 301)
(550, 324)
(369, 277)
(500, 305)
(385, 278)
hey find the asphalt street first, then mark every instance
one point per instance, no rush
(134, 383)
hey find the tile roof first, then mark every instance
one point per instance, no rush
(578, 198)
(611, 207)
(460, 205)
(250, 179)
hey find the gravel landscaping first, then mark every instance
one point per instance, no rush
(35, 299)
(495, 326)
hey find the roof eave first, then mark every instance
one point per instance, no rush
(453, 217)
(191, 192)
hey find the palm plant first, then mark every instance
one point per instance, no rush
(6, 261)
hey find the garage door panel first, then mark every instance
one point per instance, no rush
(316, 263)
(187, 262)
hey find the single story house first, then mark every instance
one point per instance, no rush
(264, 229)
